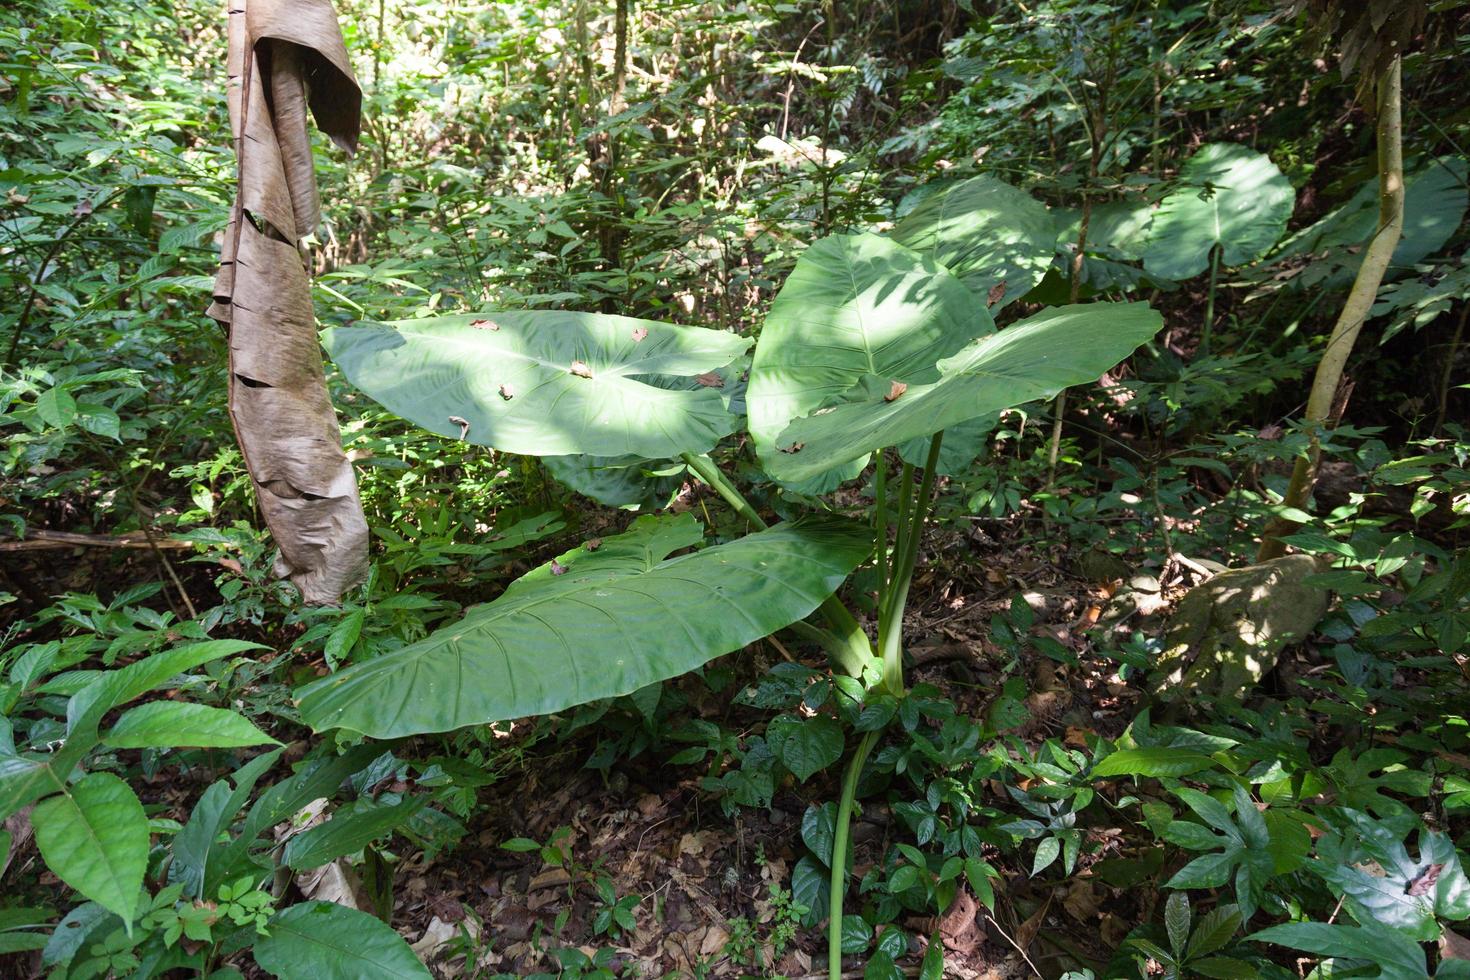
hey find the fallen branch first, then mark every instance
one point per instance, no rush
(43, 540)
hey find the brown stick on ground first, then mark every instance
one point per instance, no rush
(43, 540)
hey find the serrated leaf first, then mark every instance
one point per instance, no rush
(818, 828)
(1029, 361)
(176, 724)
(806, 746)
(94, 837)
(581, 383)
(811, 889)
(617, 619)
(326, 941)
(1176, 922)
(1214, 931)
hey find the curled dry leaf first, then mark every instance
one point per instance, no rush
(894, 390)
(1425, 882)
(996, 294)
(594, 543)
(557, 568)
(639, 333)
(507, 391)
(710, 379)
(464, 425)
(283, 419)
(484, 324)
(795, 447)
(580, 369)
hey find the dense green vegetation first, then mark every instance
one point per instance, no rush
(876, 489)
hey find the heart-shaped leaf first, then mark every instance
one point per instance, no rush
(989, 234)
(1226, 195)
(546, 382)
(1031, 360)
(594, 624)
(855, 305)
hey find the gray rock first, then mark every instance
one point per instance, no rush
(1227, 632)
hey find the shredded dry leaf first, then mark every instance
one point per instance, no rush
(286, 56)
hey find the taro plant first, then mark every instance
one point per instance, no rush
(874, 347)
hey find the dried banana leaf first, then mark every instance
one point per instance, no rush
(286, 56)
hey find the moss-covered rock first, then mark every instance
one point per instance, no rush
(1227, 632)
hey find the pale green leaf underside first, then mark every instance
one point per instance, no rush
(1033, 359)
(617, 619)
(94, 837)
(855, 305)
(326, 941)
(986, 232)
(516, 380)
(1228, 195)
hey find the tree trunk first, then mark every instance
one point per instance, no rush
(1376, 258)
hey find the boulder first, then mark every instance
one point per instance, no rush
(1227, 632)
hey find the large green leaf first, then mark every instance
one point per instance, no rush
(1227, 195)
(1396, 956)
(630, 482)
(1409, 895)
(1031, 360)
(1434, 206)
(545, 382)
(594, 624)
(94, 837)
(987, 233)
(169, 724)
(855, 305)
(325, 941)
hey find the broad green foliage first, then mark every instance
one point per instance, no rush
(1031, 360)
(545, 383)
(326, 941)
(1227, 196)
(94, 835)
(630, 482)
(855, 305)
(1409, 895)
(594, 624)
(989, 234)
(1434, 206)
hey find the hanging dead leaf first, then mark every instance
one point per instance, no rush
(1424, 883)
(895, 390)
(464, 425)
(710, 379)
(283, 418)
(507, 391)
(996, 294)
(484, 324)
(1453, 946)
(639, 333)
(580, 369)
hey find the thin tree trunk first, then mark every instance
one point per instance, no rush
(1376, 259)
